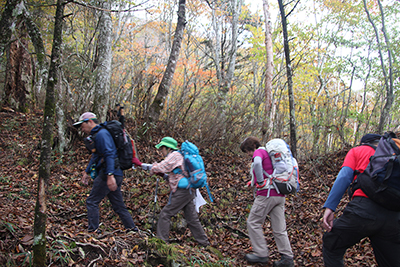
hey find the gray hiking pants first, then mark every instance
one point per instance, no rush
(275, 208)
(181, 200)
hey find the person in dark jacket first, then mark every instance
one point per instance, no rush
(108, 178)
(362, 217)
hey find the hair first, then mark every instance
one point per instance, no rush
(94, 120)
(251, 143)
(170, 148)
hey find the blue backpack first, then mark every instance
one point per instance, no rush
(194, 166)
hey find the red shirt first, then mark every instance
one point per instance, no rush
(358, 159)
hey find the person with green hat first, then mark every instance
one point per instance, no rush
(181, 197)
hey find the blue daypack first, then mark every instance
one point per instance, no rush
(194, 166)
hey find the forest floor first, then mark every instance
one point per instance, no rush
(224, 220)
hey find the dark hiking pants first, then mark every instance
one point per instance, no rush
(364, 218)
(99, 191)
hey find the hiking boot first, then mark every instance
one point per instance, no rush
(204, 245)
(132, 230)
(251, 258)
(285, 261)
(97, 231)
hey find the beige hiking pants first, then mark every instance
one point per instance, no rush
(275, 208)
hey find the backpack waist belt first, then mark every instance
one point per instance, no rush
(268, 186)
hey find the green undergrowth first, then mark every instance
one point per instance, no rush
(172, 255)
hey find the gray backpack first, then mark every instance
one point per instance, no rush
(285, 178)
(381, 179)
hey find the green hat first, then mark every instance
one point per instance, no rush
(168, 142)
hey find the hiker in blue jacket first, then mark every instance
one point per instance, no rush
(362, 217)
(108, 178)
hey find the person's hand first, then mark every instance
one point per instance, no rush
(147, 167)
(262, 184)
(163, 175)
(166, 177)
(327, 221)
(248, 184)
(85, 178)
(111, 183)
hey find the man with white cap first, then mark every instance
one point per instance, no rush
(108, 178)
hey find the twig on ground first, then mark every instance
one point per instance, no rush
(93, 261)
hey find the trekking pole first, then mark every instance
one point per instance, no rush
(154, 209)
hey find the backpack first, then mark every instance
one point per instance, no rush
(380, 181)
(194, 166)
(123, 143)
(285, 177)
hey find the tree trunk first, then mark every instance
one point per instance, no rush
(267, 127)
(293, 141)
(217, 47)
(388, 79)
(18, 61)
(104, 60)
(236, 10)
(7, 18)
(18, 85)
(221, 55)
(157, 105)
(15, 9)
(39, 228)
(41, 72)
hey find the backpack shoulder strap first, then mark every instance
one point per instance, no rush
(178, 170)
(366, 144)
(357, 172)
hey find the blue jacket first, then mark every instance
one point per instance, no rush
(106, 152)
(342, 182)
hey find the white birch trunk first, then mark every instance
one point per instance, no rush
(103, 70)
(269, 111)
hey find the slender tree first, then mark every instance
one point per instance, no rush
(293, 139)
(236, 6)
(39, 228)
(388, 77)
(157, 105)
(269, 70)
(103, 62)
(223, 52)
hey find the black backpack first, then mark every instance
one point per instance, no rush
(381, 179)
(122, 141)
